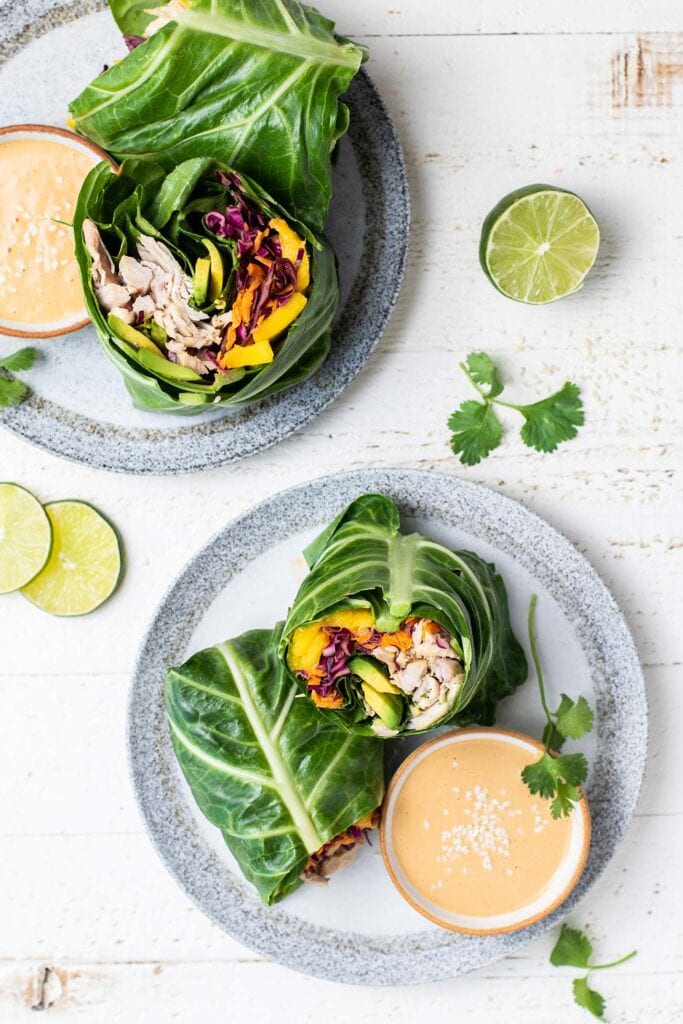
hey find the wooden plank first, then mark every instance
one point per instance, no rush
(497, 17)
(251, 992)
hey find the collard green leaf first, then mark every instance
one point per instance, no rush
(363, 558)
(144, 198)
(277, 777)
(132, 16)
(254, 85)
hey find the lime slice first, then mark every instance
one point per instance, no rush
(538, 244)
(25, 537)
(85, 564)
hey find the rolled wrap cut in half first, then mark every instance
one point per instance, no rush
(203, 291)
(291, 793)
(393, 633)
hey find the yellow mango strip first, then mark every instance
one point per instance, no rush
(306, 648)
(256, 354)
(280, 318)
(303, 273)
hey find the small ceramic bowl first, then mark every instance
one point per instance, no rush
(23, 131)
(559, 885)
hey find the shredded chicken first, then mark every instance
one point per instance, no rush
(155, 286)
(428, 672)
(136, 277)
(109, 291)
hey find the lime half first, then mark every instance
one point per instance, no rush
(85, 564)
(25, 537)
(538, 244)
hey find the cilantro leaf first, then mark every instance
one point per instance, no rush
(482, 370)
(23, 359)
(552, 738)
(572, 949)
(574, 718)
(540, 777)
(557, 777)
(588, 998)
(571, 768)
(553, 419)
(11, 392)
(476, 432)
(563, 804)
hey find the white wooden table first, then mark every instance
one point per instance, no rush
(486, 97)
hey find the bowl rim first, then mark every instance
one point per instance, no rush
(50, 129)
(385, 841)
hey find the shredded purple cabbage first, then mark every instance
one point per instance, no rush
(133, 41)
(242, 223)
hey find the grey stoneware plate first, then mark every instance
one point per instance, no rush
(358, 929)
(78, 407)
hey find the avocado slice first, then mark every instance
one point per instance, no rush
(216, 274)
(157, 333)
(127, 333)
(387, 706)
(165, 368)
(202, 269)
(370, 672)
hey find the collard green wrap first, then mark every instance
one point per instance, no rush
(277, 777)
(362, 566)
(174, 207)
(255, 85)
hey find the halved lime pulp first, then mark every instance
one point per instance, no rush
(85, 564)
(538, 244)
(25, 537)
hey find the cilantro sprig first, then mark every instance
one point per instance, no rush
(476, 429)
(12, 390)
(556, 777)
(574, 949)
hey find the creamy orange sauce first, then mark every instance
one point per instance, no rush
(39, 184)
(469, 835)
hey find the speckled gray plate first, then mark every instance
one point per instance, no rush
(358, 929)
(79, 408)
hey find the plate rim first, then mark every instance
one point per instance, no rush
(369, 959)
(120, 448)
